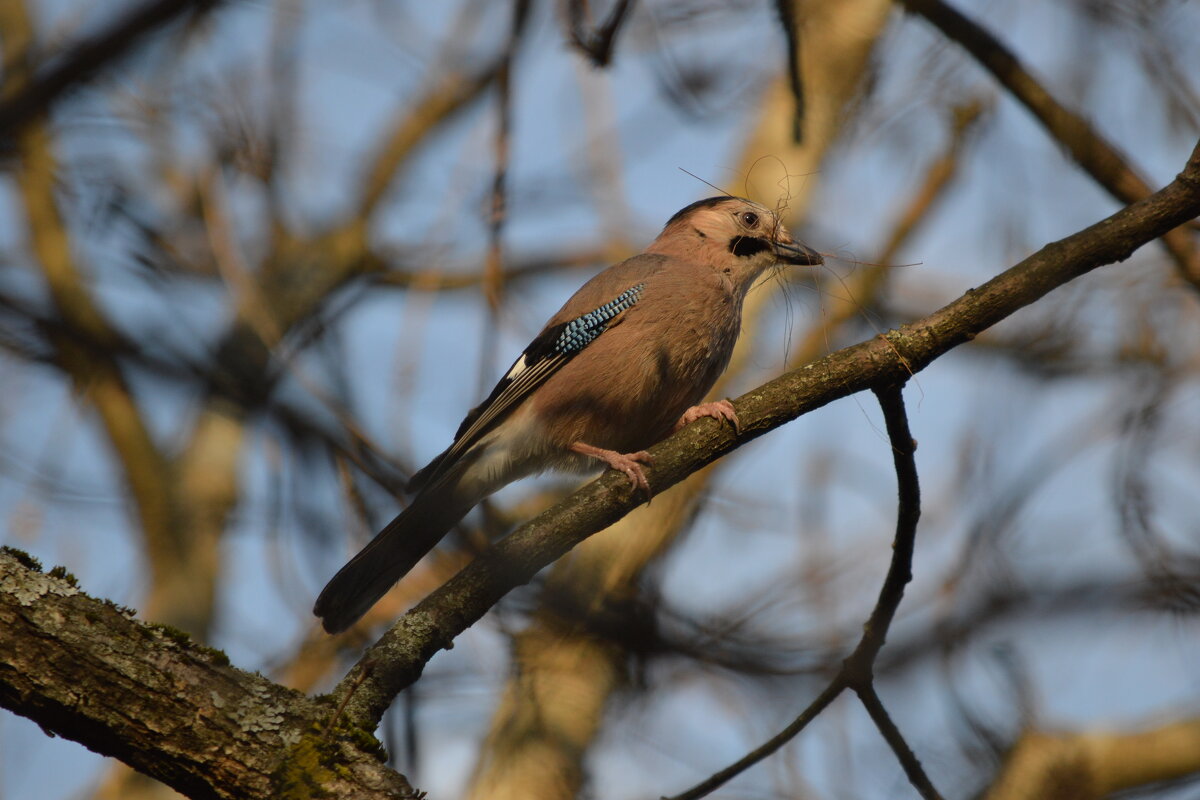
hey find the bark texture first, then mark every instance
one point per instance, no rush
(85, 670)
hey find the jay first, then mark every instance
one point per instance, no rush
(621, 365)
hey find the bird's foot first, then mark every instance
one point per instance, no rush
(718, 410)
(628, 463)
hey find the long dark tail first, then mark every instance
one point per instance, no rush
(391, 554)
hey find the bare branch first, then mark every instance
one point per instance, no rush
(167, 707)
(891, 734)
(447, 95)
(493, 264)
(857, 671)
(814, 709)
(400, 655)
(1090, 765)
(90, 57)
(789, 21)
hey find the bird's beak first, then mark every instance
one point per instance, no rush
(796, 253)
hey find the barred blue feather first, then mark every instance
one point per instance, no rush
(581, 331)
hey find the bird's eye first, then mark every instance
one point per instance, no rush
(749, 219)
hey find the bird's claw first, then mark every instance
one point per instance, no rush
(630, 464)
(718, 410)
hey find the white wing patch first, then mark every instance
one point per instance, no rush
(516, 370)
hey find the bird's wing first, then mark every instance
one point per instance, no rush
(545, 355)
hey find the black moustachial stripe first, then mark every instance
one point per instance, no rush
(748, 245)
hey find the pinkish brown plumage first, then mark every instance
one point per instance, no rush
(621, 365)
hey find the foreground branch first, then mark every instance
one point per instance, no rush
(83, 669)
(400, 655)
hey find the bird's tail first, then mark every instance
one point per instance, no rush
(391, 554)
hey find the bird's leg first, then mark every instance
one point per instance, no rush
(629, 463)
(718, 410)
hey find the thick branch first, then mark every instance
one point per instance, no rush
(85, 670)
(400, 655)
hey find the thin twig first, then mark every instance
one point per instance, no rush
(446, 95)
(908, 759)
(707, 786)
(493, 273)
(865, 289)
(909, 511)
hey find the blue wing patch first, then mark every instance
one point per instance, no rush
(581, 331)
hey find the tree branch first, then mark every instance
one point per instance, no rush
(858, 670)
(1089, 765)
(596, 45)
(789, 21)
(400, 655)
(891, 734)
(85, 670)
(89, 57)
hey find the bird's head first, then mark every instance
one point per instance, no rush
(741, 238)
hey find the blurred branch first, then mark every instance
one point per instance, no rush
(993, 606)
(572, 657)
(1094, 764)
(602, 162)
(493, 264)
(87, 58)
(835, 63)
(398, 658)
(596, 45)
(447, 94)
(164, 705)
(789, 20)
(1098, 157)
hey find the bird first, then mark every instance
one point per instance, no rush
(625, 362)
